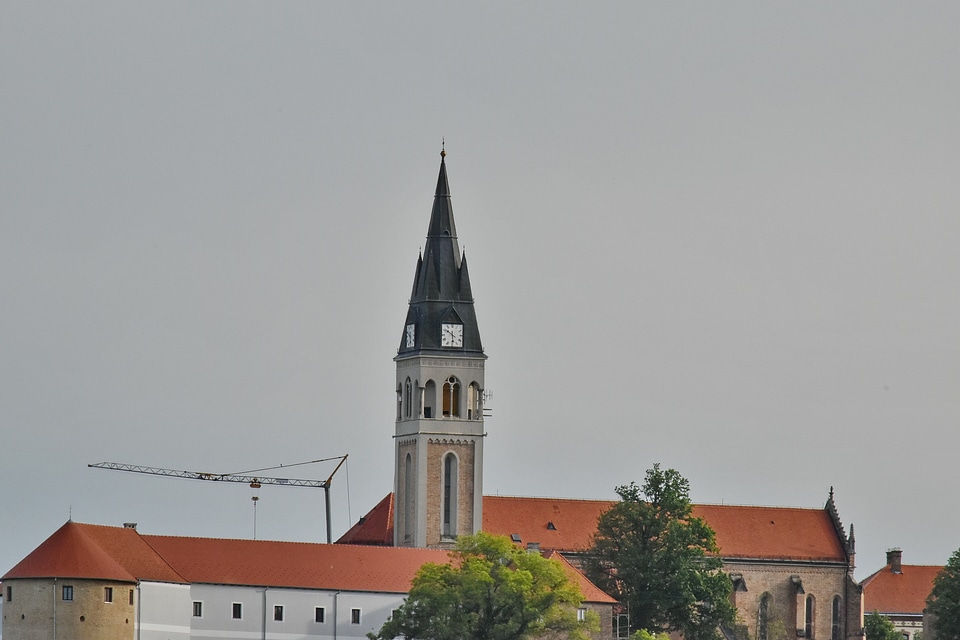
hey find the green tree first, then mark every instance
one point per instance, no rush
(877, 627)
(491, 590)
(653, 555)
(944, 600)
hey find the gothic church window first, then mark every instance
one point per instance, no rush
(450, 489)
(399, 402)
(473, 401)
(408, 493)
(429, 399)
(407, 398)
(808, 618)
(451, 398)
(837, 616)
(763, 616)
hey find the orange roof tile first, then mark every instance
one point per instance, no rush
(905, 593)
(589, 591)
(295, 564)
(375, 528)
(79, 550)
(773, 532)
(569, 524)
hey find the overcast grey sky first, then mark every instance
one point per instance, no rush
(719, 236)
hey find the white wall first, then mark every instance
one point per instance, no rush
(299, 613)
(163, 611)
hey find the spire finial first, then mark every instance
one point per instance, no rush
(443, 148)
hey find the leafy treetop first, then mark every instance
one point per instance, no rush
(491, 590)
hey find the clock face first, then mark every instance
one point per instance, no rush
(451, 335)
(411, 335)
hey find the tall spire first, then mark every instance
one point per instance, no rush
(441, 288)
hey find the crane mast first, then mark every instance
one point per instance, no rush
(243, 477)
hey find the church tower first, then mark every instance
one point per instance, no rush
(439, 434)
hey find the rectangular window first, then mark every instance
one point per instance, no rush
(354, 616)
(197, 609)
(67, 592)
(237, 611)
(278, 612)
(319, 614)
(131, 596)
(581, 614)
(9, 594)
(108, 594)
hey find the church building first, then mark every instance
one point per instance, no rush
(791, 569)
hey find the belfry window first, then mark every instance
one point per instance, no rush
(407, 399)
(429, 399)
(399, 402)
(450, 489)
(474, 409)
(451, 398)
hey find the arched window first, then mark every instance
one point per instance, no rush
(473, 402)
(451, 398)
(837, 626)
(399, 402)
(408, 495)
(450, 490)
(809, 616)
(763, 616)
(430, 399)
(407, 398)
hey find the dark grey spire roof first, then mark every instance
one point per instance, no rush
(441, 285)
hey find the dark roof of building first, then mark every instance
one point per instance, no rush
(441, 285)
(568, 525)
(902, 593)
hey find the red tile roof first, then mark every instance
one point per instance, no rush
(568, 525)
(112, 553)
(295, 564)
(375, 528)
(589, 591)
(90, 551)
(903, 593)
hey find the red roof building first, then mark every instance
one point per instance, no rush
(899, 592)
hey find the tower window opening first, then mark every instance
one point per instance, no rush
(429, 399)
(451, 398)
(450, 488)
(408, 494)
(407, 399)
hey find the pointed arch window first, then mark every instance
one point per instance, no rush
(836, 626)
(407, 398)
(399, 402)
(408, 495)
(430, 399)
(809, 617)
(451, 398)
(763, 616)
(450, 491)
(474, 409)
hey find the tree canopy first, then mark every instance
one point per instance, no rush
(944, 600)
(491, 590)
(653, 555)
(877, 627)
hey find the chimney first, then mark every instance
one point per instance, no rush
(130, 525)
(893, 559)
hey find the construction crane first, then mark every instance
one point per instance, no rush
(244, 477)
